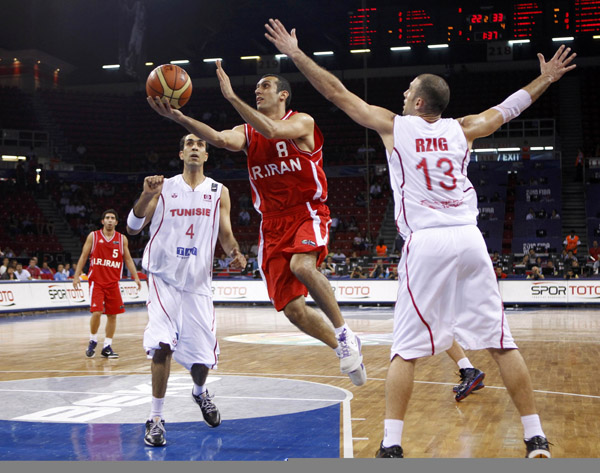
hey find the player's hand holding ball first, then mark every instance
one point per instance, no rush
(169, 88)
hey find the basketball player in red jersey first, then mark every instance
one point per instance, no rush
(436, 213)
(107, 250)
(289, 190)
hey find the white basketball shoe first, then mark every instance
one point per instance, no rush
(350, 355)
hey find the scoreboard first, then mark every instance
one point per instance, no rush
(412, 23)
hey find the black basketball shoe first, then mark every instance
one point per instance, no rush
(107, 352)
(470, 378)
(91, 349)
(537, 447)
(155, 432)
(211, 414)
(395, 451)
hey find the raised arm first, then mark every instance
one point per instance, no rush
(369, 116)
(485, 123)
(232, 140)
(226, 238)
(296, 127)
(143, 210)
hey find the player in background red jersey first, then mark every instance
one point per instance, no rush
(107, 250)
(289, 190)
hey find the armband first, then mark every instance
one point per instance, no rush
(514, 105)
(134, 222)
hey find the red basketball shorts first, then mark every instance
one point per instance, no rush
(106, 298)
(301, 229)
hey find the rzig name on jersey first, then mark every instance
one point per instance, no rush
(186, 252)
(424, 145)
(190, 212)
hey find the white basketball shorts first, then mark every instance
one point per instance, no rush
(447, 290)
(183, 320)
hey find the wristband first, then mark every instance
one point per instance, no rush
(134, 222)
(514, 105)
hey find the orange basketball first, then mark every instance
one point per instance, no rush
(170, 81)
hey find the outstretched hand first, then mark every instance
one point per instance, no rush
(164, 109)
(224, 82)
(287, 43)
(556, 67)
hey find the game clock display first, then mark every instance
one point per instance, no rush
(413, 23)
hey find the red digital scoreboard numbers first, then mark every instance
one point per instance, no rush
(417, 22)
(362, 27)
(587, 16)
(528, 20)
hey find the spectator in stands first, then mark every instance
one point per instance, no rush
(33, 269)
(595, 256)
(69, 270)
(4, 267)
(352, 224)
(244, 217)
(46, 272)
(9, 274)
(530, 215)
(338, 256)
(329, 263)
(344, 268)
(393, 274)
(575, 267)
(378, 271)
(572, 242)
(22, 274)
(495, 258)
(224, 261)
(8, 252)
(499, 273)
(535, 274)
(358, 273)
(381, 249)
(554, 215)
(324, 269)
(361, 200)
(550, 269)
(375, 190)
(335, 222)
(358, 242)
(569, 274)
(60, 275)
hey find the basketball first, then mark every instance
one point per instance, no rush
(172, 82)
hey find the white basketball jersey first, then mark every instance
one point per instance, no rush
(428, 173)
(183, 235)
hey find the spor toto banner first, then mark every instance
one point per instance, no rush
(16, 297)
(551, 291)
(49, 295)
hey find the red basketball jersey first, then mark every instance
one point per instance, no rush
(106, 258)
(281, 174)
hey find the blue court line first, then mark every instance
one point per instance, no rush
(309, 434)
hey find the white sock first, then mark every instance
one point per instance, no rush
(157, 407)
(107, 342)
(464, 363)
(94, 337)
(532, 426)
(392, 432)
(341, 329)
(197, 389)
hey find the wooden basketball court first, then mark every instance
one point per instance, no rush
(560, 346)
